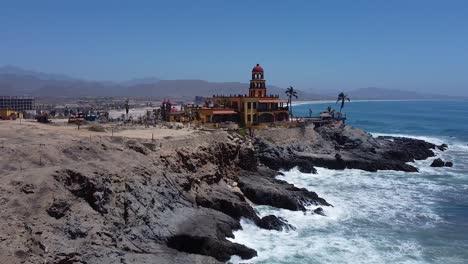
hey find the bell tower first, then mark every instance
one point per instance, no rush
(257, 83)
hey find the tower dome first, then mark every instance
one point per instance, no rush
(257, 68)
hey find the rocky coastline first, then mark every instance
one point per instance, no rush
(117, 200)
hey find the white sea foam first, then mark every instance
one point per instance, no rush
(453, 143)
(457, 153)
(433, 140)
(371, 212)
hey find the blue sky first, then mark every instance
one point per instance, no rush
(312, 45)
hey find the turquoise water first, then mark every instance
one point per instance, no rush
(383, 217)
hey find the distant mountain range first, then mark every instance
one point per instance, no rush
(17, 81)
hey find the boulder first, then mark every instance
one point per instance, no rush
(266, 190)
(442, 147)
(28, 188)
(220, 250)
(58, 209)
(319, 211)
(448, 164)
(438, 163)
(272, 222)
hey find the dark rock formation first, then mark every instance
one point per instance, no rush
(177, 201)
(278, 158)
(442, 147)
(205, 233)
(226, 201)
(319, 211)
(266, 190)
(272, 222)
(95, 191)
(448, 164)
(438, 163)
(222, 251)
(339, 147)
(58, 209)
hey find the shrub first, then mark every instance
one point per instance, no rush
(96, 128)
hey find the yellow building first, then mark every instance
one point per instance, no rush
(255, 109)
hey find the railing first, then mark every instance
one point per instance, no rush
(272, 109)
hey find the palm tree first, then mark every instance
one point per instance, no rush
(127, 106)
(342, 97)
(224, 102)
(290, 92)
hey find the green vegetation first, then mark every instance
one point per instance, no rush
(96, 128)
(242, 132)
(342, 97)
(290, 92)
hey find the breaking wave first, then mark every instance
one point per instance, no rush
(382, 217)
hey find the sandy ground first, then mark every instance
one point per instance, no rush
(32, 153)
(61, 126)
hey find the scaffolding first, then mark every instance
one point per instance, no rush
(17, 103)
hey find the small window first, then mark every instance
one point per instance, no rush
(254, 105)
(249, 118)
(249, 105)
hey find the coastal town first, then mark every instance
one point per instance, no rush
(107, 180)
(233, 132)
(256, 109)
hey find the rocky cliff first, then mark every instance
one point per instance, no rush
(113, 200)
(339, 147)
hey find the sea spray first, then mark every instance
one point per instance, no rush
(382, 217)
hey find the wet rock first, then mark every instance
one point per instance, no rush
(319, 211)
(222, 251)
(204, 232)
(272, 222)
(438, 163)
(266, 190)
(448, 164)
(442, 147)
(58, 209)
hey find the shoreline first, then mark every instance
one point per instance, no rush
(295, 103)
(193, 191)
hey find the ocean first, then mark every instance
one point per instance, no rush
(385, 216)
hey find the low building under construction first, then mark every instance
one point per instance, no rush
(12, 107)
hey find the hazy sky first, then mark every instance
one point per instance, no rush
(330, 44)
